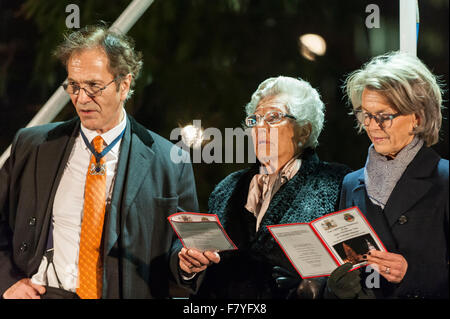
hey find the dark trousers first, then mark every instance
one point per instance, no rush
(58, 293)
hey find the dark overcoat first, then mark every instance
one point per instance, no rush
(414, 223)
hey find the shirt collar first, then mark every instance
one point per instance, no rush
(108, 136)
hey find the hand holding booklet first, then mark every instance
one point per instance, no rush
(316, 248)
(201, 231)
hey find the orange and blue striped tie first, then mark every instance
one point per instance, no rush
(90, 263)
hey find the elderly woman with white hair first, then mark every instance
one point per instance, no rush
(403, 187)
(288, 184)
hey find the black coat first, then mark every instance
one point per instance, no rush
(247, 272)
(414, 223)
(137, 236)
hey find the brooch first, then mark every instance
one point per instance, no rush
(97, 169)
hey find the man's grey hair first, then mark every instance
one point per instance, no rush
(303, 102)
(123, 59)
(408, 86)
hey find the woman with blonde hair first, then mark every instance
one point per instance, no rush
(403, 187)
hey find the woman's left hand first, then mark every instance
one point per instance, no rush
(391, 266)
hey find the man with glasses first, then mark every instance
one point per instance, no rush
(84, 203)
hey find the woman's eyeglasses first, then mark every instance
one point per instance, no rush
(383, 120)
(271, 117)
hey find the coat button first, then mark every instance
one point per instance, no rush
(23, 247)
(402, 219)
(32, 221)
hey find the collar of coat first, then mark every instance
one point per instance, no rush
(413, 184)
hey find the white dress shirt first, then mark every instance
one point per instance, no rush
(68, 209)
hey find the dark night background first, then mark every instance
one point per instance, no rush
(203, 59)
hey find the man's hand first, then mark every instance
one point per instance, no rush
(24, 289)
(193, 261)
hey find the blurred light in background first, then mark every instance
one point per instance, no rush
(312, 45)
(192, 136)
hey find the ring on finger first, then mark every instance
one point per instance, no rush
(387, 270)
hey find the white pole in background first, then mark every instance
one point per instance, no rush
(59, 99)
(408, 26)
(130, 15)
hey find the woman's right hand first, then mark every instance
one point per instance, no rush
(193, 261)
(391, 266)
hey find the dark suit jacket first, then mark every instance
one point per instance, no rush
(414, 223)
(137, 237)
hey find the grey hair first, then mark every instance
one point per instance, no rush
(119, 48)
(303, 102)
(408, 86)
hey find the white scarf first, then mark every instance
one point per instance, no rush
(264, 186)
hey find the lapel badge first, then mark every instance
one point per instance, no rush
(97, 169)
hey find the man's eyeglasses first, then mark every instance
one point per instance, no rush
(91, 90)
(271, 117)
(383, 120)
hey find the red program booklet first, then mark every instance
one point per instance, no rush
(201, 231)
(316, 248)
